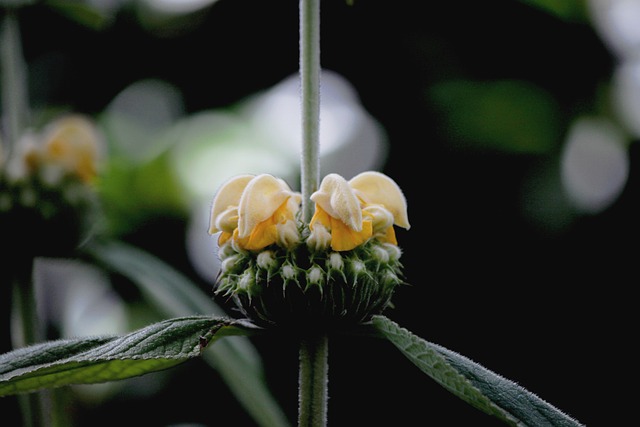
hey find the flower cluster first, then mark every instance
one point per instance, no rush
(46, 186)
(341, 267)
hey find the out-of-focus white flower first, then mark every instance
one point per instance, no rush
(626, 95)
(617, 23)
(595, 164)
(140, 115)
(351, 140)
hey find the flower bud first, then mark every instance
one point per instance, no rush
(315, 276)
(266, 260)
(319, 238)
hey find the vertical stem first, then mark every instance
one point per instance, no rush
(13, 85)
(312, 393)
(25, 330)
(313, 374)
(310, 82)
(25, 322)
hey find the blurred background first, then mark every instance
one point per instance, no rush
(511, 127)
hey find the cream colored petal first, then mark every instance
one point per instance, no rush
(337, 198)
(227, 196)
(293, 204)
(377, 188)
(227, 220)
(381, 218)
(261, 198)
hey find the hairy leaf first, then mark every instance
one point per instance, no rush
(99, 359)
(478, 386)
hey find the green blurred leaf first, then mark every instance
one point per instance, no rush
(568, 10)
(94, 360)
(172, 293)
(83, 13)
(132, 193)
(471, 382)
(507, 115)
(15, 3)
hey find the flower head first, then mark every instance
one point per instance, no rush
(347, 270)
(68, 147)
(46, 184)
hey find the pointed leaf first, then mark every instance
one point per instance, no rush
(100, 359)
(172, 293)
(478, 386)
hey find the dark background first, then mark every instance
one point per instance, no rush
(548, 310)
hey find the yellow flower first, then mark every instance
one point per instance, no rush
(254, 212)
(73, 143)
(367, 206)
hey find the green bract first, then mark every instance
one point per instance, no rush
(300, 289)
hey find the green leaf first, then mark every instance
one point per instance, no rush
(133, 193)
(478, 386)
(100, 359)
(15, 3)
(568, 10)
(513, 116)
(172, 293)
(83, 13)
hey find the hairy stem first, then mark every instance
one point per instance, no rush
(310, 90)
(313, 373)
(312, 392)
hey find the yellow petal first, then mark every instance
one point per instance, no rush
(336, 197)
(260, 200)
(227, 196)
(320, 216)
(267, 232)
(381, 222)
(262, 235)
(377, 188)
(389, 237)
(344, 238)
(224, 238)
